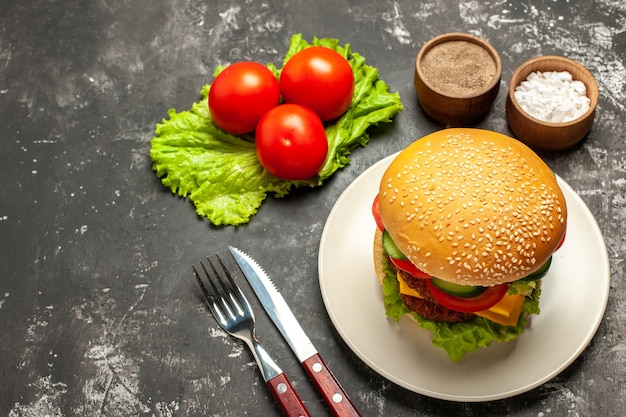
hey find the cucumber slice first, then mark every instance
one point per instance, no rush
(390, 247)
(540, 273)
(458, 290)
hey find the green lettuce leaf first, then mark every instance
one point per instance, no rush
(457, 339)
(220, 172)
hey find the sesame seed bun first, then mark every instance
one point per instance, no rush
(473, 207)
(379, 257)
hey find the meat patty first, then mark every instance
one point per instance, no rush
(426, 306)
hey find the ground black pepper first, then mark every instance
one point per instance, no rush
(458, 68)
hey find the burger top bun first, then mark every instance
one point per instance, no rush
(473, 207)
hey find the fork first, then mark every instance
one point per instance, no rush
(234, 314)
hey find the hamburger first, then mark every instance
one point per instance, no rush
(467, 223)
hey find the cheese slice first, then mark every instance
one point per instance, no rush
(405, 289)
(506, 312)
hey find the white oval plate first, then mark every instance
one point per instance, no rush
(573, 300)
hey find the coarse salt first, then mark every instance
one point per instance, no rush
(552, 96)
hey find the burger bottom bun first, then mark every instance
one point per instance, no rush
(379, 256)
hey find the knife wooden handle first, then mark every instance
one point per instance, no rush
(326, 383)
(287, 397)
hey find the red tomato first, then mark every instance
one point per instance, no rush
(407, 266)
(320, 79)
(484, 301)
(291, 142)
(561, 241)
(376, 214)
(241, 94)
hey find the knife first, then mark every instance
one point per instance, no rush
(280, 313)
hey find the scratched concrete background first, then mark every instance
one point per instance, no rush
(99, 315)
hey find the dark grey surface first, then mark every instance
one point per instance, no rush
(99, 314)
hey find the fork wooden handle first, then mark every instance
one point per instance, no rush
(287, 397)
(326, 383)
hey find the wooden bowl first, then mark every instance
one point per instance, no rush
(543, 135)
(461, 88)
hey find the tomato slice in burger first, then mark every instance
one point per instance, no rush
(407, 266)
(484, 301)
(561, 241)
(376, 214)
